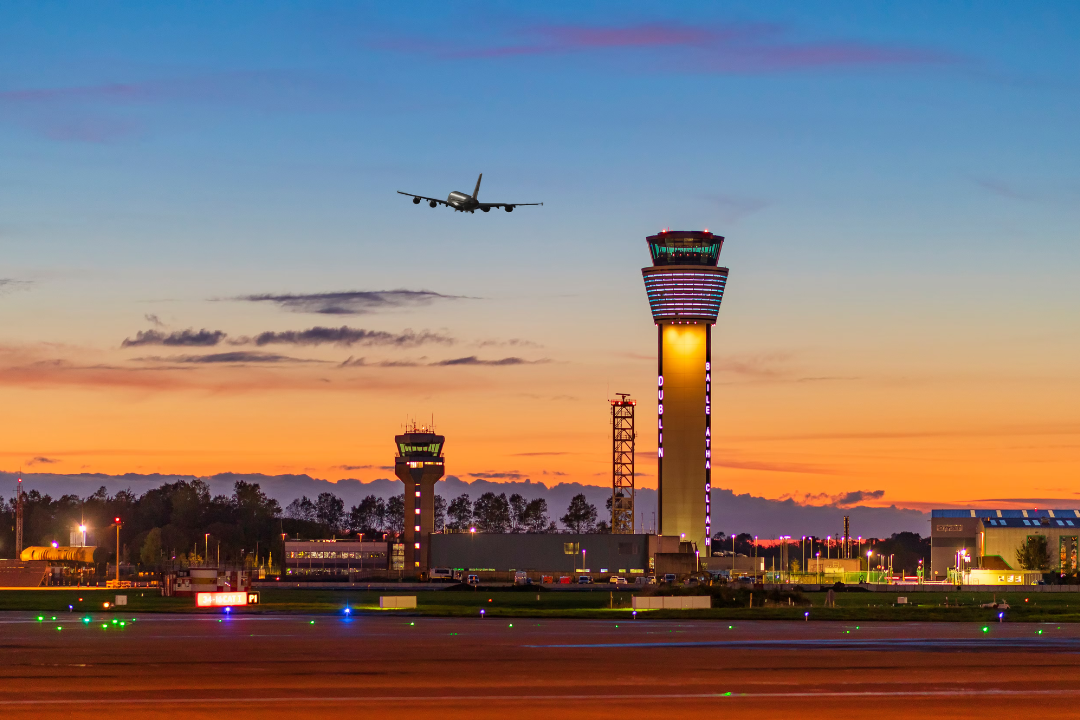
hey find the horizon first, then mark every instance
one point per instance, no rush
(207, 265)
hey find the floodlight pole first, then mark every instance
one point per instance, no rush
(117, 553)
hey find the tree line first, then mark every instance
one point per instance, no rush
(182, 523)
(490, 513)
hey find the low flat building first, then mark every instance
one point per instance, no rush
(340, 557)
(991, 538)
(493, 555)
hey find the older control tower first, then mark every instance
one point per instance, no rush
(419, 464)
(685, 288)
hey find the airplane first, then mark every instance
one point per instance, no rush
(465, 203)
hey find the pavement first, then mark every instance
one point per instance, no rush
(390, 666)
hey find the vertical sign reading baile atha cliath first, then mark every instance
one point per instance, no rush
(685, 287)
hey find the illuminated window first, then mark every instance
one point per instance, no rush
(417, 546)
(417, 511)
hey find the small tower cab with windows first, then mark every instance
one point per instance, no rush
(419, 465)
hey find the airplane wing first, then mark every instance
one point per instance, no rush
(504, 205)
(434, 200)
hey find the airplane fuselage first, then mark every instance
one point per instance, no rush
(460, 201)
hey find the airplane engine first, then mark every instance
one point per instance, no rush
(486, 209)
(416, 201)
(509, 208)
(433, 203)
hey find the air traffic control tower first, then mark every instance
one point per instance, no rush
(419, 464)
(685, 288)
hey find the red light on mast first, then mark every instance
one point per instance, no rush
(117, 520)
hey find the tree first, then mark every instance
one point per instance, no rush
(518, 506)
(151, 548)
(395, 514)
(603, 528)
(536, 516)
(440, 513)
(460, 512)
(330, 510)
(580, 515)
(301, 509)
(492, 513)
(1034, 553)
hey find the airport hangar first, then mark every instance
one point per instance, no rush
(991, 538)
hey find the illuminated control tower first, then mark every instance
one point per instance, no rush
(685, 288)
(419, 464)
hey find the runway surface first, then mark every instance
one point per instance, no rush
(314, 666)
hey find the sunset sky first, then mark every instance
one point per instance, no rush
(195, 200)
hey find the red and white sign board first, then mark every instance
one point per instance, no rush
(226, 599)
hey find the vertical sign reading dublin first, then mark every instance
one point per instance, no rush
(685, 288)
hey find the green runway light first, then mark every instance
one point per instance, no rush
(730, 627)
(114, 621)
(1040, 632)
(727, 694)
(312, 622)
(512, 625)
(122, 623)
(986, 629)
(59, 628)
(40, 618)
(104, 626)
(53, 617)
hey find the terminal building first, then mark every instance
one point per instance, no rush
(985, 542)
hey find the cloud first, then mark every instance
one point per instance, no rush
(999, 188)
(733, 209)
(346, 336)
(512, 342)
(734, 49)
(473, 360)
(774, 467)
(362, 362)
(353, 302)
(362, 467)
(840, 500)
(180, 338)
(512, 475)
(153, 320)
(92, 113)
(42, 461)
(761, 366)
(10, 285)
(231, 357)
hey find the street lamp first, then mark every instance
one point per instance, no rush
(206, 549)
(117, 552)
(868, 554)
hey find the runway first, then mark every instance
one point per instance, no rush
(295, 666)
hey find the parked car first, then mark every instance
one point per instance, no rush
(670, 578)
(584, 580)
(474, 580)
(441, 574)
(565, 579)
(645, 580)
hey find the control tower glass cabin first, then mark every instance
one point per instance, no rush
(419, 464)
(685, 288)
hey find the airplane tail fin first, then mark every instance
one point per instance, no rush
(477, 190)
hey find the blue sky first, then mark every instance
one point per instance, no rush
(897, 183)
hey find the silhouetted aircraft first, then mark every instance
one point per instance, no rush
(465, 203)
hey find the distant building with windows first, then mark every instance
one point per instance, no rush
(991, 538)
(339, 557)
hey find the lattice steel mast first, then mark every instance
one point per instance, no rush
(622, 464)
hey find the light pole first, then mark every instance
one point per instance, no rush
(206, 549)
(818, 563)
(117, 552)
(828, 546)
(868, 554)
